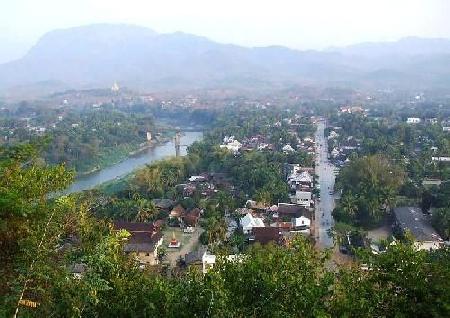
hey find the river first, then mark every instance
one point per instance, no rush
(128, 165)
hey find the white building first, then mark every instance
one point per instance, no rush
(288, 148)
(232, 145)
(333, 135)
(441, 159)
(302, 198)
(209, 260)
(335, 153)
(248, 222)
(303, 178)
(413, 120)
(301, 223)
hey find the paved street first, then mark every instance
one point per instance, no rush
(324, 169)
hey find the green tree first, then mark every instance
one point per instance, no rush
(373, 182)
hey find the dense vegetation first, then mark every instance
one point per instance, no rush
(401, 159)
(369, 187)
(83, 140)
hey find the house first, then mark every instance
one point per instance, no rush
(77, 270)
(413, 120)
(288, 148)
(352, 109)
(209, 260)
(283, 226)
(335, 153)
(255, 206)
(290, 211)
(177, 212)
(431, 182)
(243, 211)
(300, 179)
(301, 224)
(413, 220)
(333, 135)
(197, 179)
(191, 218)
(302, 198)
(163, 204)
(189, 189)
(232, 145)
(195, 258)
(248, 222)
(144, 240)
(158, 224)
(300, 182)
(265, 235)
(440, 159)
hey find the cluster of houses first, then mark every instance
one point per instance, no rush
(232, 144)
(432, 121)
(307, 145)
(352, 110)
(301, 185)
(257, 142)
(276, 224)
(205, 185)
(340, 150)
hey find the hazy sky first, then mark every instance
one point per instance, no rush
(294, 23)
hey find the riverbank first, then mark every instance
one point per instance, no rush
(130, 163)
(116, 155)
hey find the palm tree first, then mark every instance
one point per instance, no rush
(349, 204)
(216, 230)
(146, 210)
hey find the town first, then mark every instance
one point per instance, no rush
(225, 159)
(344, 179)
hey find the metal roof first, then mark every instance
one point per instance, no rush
(412, 219)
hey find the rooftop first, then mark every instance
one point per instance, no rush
(133, 226)
(412, 219)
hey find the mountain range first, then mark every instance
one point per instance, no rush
(137, 57)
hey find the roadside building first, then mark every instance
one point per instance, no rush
(301, 223)
(289, 211)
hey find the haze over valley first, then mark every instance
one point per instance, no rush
(95, 56)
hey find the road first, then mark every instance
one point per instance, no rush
(324, 207)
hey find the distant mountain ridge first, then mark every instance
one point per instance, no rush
(137, 57)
